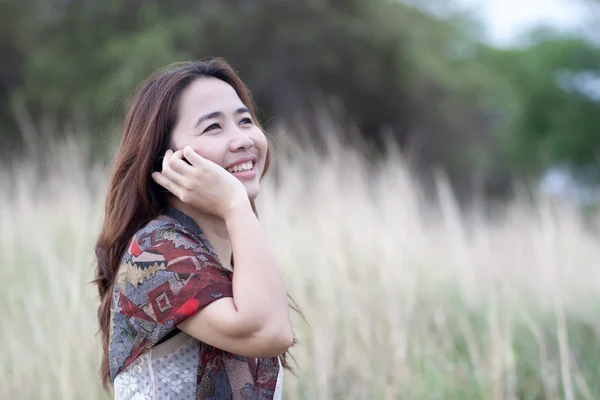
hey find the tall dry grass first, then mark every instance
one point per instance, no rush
(405, 297)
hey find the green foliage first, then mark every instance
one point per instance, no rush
(379, 66)
(388, 66)
(551, 119)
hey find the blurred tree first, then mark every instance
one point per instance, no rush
(554, 103)
(387, 65)
(13, 58)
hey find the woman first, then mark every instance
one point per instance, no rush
(176, 322)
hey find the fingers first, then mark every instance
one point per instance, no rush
(166, 183)
(169, 172)
(194, 158)
(179, 165)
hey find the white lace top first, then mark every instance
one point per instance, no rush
(168, 372)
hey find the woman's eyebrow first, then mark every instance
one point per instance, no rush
(216, 114)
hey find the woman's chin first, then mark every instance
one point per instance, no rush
(253, 190)
(252, 195)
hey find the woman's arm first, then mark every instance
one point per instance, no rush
(255, 322)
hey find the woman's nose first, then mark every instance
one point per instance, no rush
(241, 140)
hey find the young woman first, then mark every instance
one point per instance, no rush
(175, 321)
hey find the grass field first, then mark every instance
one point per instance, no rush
(406, 298)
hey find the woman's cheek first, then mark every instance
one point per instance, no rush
(205, 150)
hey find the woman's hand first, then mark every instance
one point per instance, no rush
(203, 184)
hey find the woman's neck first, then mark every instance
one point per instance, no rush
(213, 227)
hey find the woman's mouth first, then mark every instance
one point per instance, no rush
(243, 171)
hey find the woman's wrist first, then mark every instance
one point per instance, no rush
(239, 206)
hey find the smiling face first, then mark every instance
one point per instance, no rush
(217, 125)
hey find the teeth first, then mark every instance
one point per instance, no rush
(242, 167)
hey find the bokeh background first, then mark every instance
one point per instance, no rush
(433, 200)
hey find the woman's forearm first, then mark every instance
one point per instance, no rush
(258, 288)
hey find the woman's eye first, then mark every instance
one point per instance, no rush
(246, 121)
(212, 127)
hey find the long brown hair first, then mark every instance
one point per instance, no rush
(133, 198)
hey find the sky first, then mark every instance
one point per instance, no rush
(505, 19)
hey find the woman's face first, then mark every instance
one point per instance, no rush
(218, 126)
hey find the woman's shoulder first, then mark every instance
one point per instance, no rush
(163, 222)
(158, 229)
(166, 242)
(172, 227)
